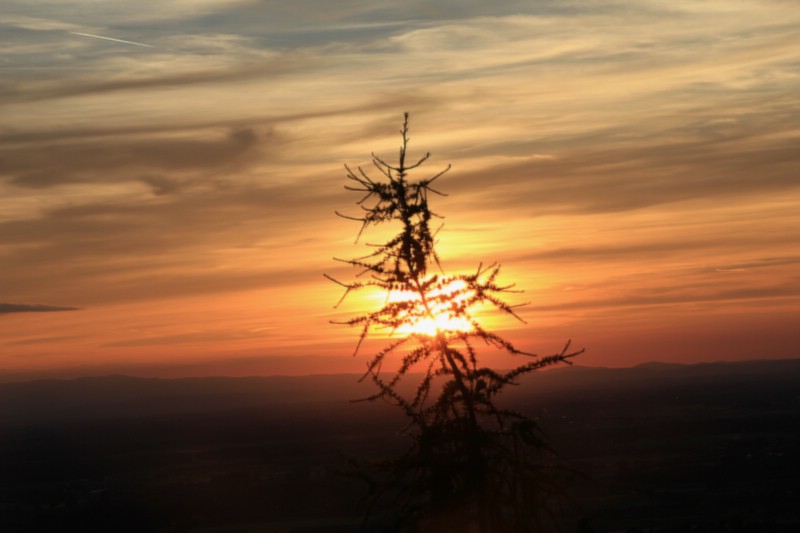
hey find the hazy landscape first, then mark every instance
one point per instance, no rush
(658, 447)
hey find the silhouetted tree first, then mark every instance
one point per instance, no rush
(472, 465)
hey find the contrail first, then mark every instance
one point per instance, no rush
(111, 39)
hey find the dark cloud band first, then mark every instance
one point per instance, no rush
(32, 308)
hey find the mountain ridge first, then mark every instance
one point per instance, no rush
(120, 396)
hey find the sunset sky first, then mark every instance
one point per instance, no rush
(169, 172)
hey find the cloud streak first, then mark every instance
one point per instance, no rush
(6, 308)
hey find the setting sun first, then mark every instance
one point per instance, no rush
(440, 316)
(443, 323)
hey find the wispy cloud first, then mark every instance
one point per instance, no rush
(32, 308)
(79, 160)
(37, 90)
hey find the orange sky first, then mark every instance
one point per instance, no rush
(167, 203)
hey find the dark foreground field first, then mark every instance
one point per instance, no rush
(661, 448)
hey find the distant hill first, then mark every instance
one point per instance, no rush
(94, 398)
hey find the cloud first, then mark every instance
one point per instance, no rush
(36, 90)
(198, 337)
(192, 240)
(39, 166)
(767, 262)
(98, 12)
(35, 23)
(32, 308)
(677, 295)
(162, 185)
(644, 174)
(30, 341)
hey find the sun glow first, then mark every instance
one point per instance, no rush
(438, 324)
(442, 316)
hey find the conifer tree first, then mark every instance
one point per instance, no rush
(472, 465)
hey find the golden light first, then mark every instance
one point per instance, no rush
(438, 324)
(440, 317)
